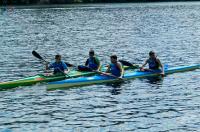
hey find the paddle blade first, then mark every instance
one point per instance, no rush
(37, 55)
(126, 63)
(69, 65)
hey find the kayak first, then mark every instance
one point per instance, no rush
(46, 78)
(129, 74)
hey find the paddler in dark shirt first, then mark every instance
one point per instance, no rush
(93, 62)
(154, 63)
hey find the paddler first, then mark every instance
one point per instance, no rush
(115, 68)
(59, 66)
(93, 62)
(154, 63)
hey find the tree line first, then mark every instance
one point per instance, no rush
(31, 2)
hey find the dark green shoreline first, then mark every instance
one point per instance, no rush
(61, 2)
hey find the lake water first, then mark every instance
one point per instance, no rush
(128, 30)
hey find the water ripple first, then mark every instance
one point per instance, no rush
(128, 30)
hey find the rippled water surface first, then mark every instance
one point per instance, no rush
(128, 30)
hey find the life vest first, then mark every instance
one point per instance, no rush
(92, 63)
(58, 67)
(114, 69)
(153, 64)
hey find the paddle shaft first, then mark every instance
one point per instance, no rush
(107, 74)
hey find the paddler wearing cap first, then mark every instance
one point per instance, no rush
(59, 66)
(93, 62)
(154, 63)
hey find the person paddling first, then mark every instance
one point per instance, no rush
(115, 68)
(154, 63)
(59, 66)
(93, 62)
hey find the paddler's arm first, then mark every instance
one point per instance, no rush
(47, 66)
(121, 70)
(86, 63)
(142, 67)
(66, 70)
(160, 64)
(99, 67)
(98, 63)
(108, 69)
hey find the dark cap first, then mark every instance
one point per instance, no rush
(151, 53)
(57, 56)
(113, 56)
(91, 51)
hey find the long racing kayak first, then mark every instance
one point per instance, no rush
(130, 74)
(46, 78)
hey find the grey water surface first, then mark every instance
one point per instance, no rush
(128, 30)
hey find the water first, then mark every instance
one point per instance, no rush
(128, 30)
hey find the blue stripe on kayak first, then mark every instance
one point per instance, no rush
(83, 79)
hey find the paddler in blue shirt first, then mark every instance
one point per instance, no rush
(93, 62)
(154, 63)
(115, 68)
(59, 66)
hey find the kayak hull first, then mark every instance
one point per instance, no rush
(98, 79)
(29, 81)
(45, 78)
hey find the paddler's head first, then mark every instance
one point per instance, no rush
(113, 59)
(58, 58)
(91, 53)
(152, 54)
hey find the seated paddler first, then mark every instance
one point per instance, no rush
(153, 62)
(93, 62)
(58, 66)
(115, 67)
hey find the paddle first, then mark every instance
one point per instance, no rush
(107, 74)
(38, 56)
(41, 58)
(123, 62)
(126, 63)
(85, 68)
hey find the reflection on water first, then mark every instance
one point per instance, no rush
(155, 80)
(2, 10)
(116, 87)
